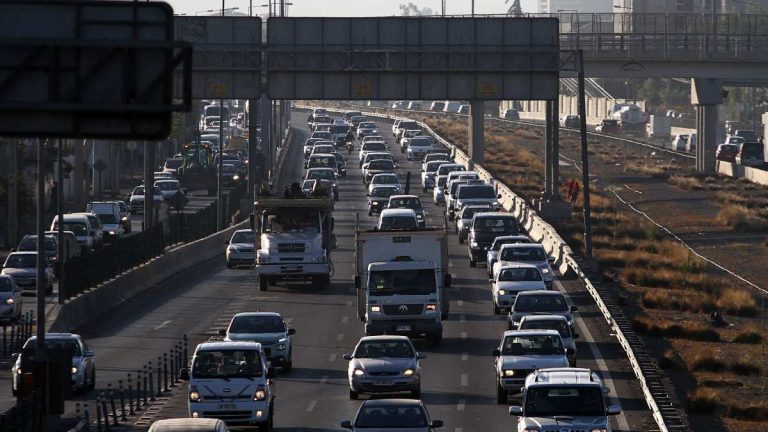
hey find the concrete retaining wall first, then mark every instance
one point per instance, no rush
(752, 174)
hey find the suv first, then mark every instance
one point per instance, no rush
(484, 228)
(267, 328)
(522, 352)
(475, 193)
(529, 253)
(540, 303)
(405, 125)
(498, 242)
(564, 399)
(379, 197)
(408, 202)
(418, 147)
(83, 361)
(511, 280)
(553, 322)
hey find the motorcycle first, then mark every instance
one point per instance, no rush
(350, 144)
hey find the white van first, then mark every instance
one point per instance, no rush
(232, 381)
(108, 213)
(97, 228)
(79, 224)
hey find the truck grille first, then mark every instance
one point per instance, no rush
(290, 247)
(404, 309)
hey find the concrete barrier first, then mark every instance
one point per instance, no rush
(100, 300)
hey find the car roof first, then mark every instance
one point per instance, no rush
(403, 196)
(398, 212)
(385, 174)
(548, 332)
(544, 318)
(522, 245)
(540, 293)
(240, 314)
(321, 168)
(560, 376)
(186, 424)
(58, 336)
(23, 253)
(493, 214)
(247, 230)
(517, 265)
(384, 186)
(384, 337)
(213, 346)
(512, 237)
(393, 402)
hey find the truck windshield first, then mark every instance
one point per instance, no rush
(30, 244)
(547, 401)
(414, 282)
(227, 364)
(291, 221)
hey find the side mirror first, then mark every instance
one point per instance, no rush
(346, 424)
(291, 331)
(421, 356)
(436, 424)
(574, 308)
(347, 357)
(498, 196)
(496, 352)
(516, 411)
(88, 354)
(551, 259)
(614, 410)
(222, 332)
(569, 351)
(270, 372)
(184, 374)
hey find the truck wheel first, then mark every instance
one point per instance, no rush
(263, 283)
(353, 394)
(501, 395)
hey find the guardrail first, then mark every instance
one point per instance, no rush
(664, 413)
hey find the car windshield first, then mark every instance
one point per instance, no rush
(390, 417)
(398, 222)
(323, 149)
(735, 140)
(5, 284)
(374, 156)
(411, 133)
(30, 244)
(173, 163)
(322, 162)
(468, 212)
(257, 324)
(441, 181)
(374, 146)
(390, 282)
(497, 244)
(752, 150)
(389, 179)
(321, 174)
(295, 221)
(21, 261)
(107, 219)
(519, 275)
(432, 166)
(560, 325)
(532, 344)
(381, 164)
(563, 400)
(227, 364)
(540, 303)
(421, 142)
(228, 169)
(479, 191)
(244, 237)
(731, 148)
(495, 224)
(322, 134)
(383, 192)
(68, 344)
(367, 125)
(409, 125)
(340, 129)
(384, 349)
(533, 253)
(444, 170)
(410, 203)
(79, 228)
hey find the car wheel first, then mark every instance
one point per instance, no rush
(501, 395)
(496, 309)
(416, 394)
(229, 265)
(263, 283)
(370, 214)
(423, 190)
(472, 262)
(353, 395)
(92, 383)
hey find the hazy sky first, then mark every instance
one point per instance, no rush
(352, 7)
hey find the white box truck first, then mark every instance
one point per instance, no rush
(401, 280)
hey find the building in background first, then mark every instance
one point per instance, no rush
(689, 6)
(581, 6)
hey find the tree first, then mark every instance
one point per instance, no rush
(515, 9)
(411, 9)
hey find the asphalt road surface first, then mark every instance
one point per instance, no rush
(458, 384)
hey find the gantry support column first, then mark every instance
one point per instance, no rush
(706, 95)
(476, 131)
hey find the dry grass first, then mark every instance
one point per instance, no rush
(737, 301)
(745, 368)
(742, 218)
(672, 360)
(750, 335)
(668, 329)
(681, 301)
(685, 182)
(703, 400)
(708, 361)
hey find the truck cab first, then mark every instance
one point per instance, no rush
(295, 238)
(400, 282)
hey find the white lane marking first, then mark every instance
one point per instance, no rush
(344, 319)
(311, 406)
(460, 407)
(161, 325)
(450, 264)
(332, 357)
(324, 379)
(464, 356)
(339, 337)
(349, 303)
(633, 190)
(621, 419)
(464, 380)
(463, 335)
(460, 303)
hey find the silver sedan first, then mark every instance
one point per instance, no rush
(384, 364)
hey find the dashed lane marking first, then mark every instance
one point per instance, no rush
(332, 357)
(311, 406)
(464, 380)
(461, 406)
(161, 325)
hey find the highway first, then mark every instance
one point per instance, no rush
(458, 381)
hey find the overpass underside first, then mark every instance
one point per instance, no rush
(725, 70)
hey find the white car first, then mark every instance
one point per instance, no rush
(384, 364)
(168, 188)
(136, 201)
(407, 136)
(397, 219)
(511, 280)
(240, 248)
(530, 253)
(437, 156)
(438, 191)
(428, 170)
(83, 375)
(498, 242)
(384, 179)
(419, 147)
(366, 128)
(371, 146)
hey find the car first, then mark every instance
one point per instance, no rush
(414, 105)
(570, 121)
(484, 228)
(521, 352)
(464, 217)
(349, 115)
(136, 201)
(428, 170)
(510, 114)
(396, 415)
(118, 209)
(399, 105)
(473, 192)
(322, 160)
(748, 135)
(727, 152)
(80, 226)
(529, 253)
(328, 174)
(28, 243)
(750, 154)
(437, 156)
(163, 175)
(679, 142)
(240, 248)
(538, 303)
(323, 148)
(397, 219)
(379, 197)
(437, 106)
(395, 124)
(418, 147)
(409, 202)
(172, 165)
(438, 191)
(22, 266)
(311, 143)
(125, 216)
(453, 180)
(384, 365)
(97, 229)
(609, 126)
(11, 301)
(512, 279)
(325, 135)
(463, 109)
(386, 179)
(356, 120)
(406, 136)
(448, 167)
(83, 371)
(371, 146)
(376, 155)
(111, 223)
(71, 246)
(188, 424)
(498, 242)
(553, 322)
(230, 175)
(377, 166)
(267, 328)
(554, 394)
(366, 128)
(404, 125)
(373, 138)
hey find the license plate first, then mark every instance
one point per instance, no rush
(290, 269)
(227, 406)
(403, 328)
(383, 383)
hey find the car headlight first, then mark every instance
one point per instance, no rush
(375, 308)
(74, 370)
(281, 347)
(112, 233)
(124, 219)
(358, 372)
(194, 396)
(473, 244)
(18, 371)
(545, 271)
(408, 372)
(260, 395)
(502, 292)
(509, 373)
(9, 301)
(235, 177)
(282, 340)
(431, 307)
(418, 216)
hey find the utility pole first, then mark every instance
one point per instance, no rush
(584, 156)
(40, 348)
(60, 255)
(13, 193)
(219, 183)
